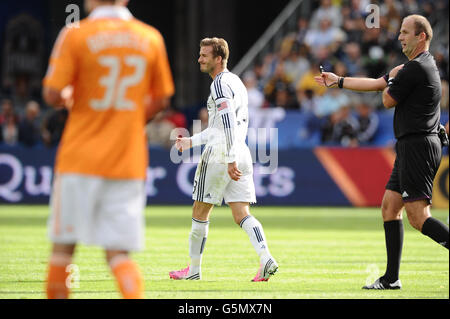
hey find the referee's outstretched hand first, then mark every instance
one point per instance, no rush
(327, 79)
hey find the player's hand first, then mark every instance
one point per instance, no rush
(395, 70)
(67, 97)
(327, 79)
(234, 172)
(183, 143)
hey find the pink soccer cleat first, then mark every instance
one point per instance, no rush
(183, 274)
(266, 269)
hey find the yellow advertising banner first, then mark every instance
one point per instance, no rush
(440, 187)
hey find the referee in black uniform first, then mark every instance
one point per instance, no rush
(414, 89)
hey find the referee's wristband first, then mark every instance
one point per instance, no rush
(341, 82)
(390, 82)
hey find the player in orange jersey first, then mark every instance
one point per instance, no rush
(115, 72)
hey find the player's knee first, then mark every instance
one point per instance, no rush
(391, 206)
(418, 212)
(238, 219)
(201, 211)
(415, 222)
(389, 212)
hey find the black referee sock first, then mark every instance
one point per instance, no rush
(393, 233)
(436, 230)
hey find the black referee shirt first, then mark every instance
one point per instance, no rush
(417, 90)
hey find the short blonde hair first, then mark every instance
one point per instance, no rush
(421, 24)
(220, 48)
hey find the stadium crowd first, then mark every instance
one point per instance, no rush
(334, 35)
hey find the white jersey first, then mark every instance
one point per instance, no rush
(227, 115)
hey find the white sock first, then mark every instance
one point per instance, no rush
(255, 232)
(197, 240)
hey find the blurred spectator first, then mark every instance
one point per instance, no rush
(410, 7)
(177, 118)
(391, 12)
(326, 10)
(352, 59)
(374, 63)
(323, 115)
(307, 82)
(323, 57)
(267, 69)
(203, 117)
(374, 37)
(340, 68)
(358, 7)
(307, 100)
(346, 130)
(441, 63)
(353, 23)
(286, 98)
(441, 11)
(159, 129)
(278, 81)
(330, 102)
(368, 122)
(21, 94)
(302, 29)
(255, 96)
(341, 128)
(296, 63)
(29, 127)
(53, 126)
(429, 11)
(325, 35)
(23, 58)
(202, 120)
(10, 130)
(7, 109)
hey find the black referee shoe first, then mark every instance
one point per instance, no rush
(382, 284)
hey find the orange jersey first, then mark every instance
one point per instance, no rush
(114, 63)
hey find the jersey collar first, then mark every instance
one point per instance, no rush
(118, 12)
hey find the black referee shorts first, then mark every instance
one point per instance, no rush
(416, 164)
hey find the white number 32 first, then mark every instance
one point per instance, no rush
(116, 86)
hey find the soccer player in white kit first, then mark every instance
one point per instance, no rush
(225, 170)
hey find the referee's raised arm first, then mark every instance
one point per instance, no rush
(331, 80)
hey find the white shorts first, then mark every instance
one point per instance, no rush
(97, 211)
(212, 184)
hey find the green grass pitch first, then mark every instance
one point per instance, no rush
(323, 253)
